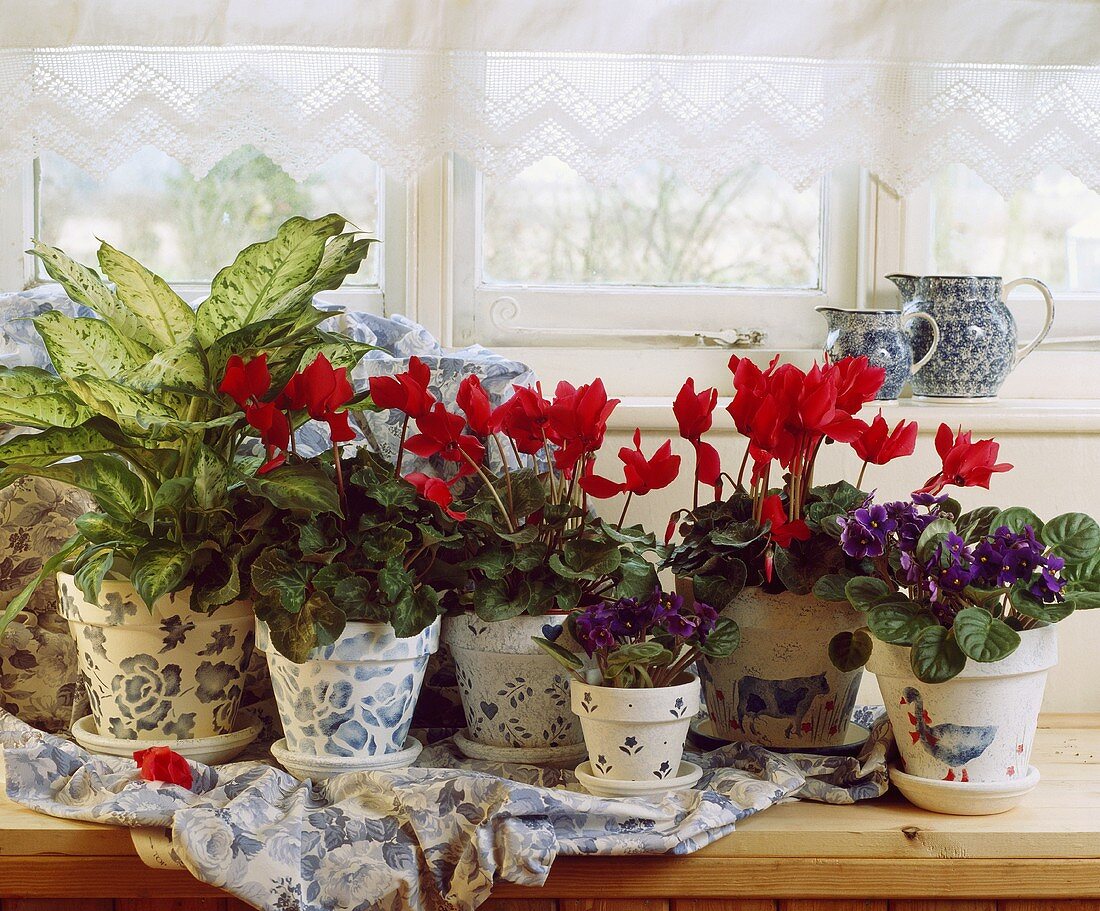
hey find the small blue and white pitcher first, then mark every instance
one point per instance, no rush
(881, 336)
(977, 348)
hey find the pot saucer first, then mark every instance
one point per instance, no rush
(560, 756)
(686, 777)
(322, 768)
(704, 735)
(207, 750)
(964, 798)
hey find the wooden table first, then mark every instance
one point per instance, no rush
(877, 856)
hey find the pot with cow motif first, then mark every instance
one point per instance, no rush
(779, 689)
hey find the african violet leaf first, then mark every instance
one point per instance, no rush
(1073, 536)
(849, 650)
(899, 621)
(982, 636)
(936, 656)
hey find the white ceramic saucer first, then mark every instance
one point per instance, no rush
(552, 756)
(207, 750)
(322, 768)
(855, 736)
(686, 776)
(964, 798)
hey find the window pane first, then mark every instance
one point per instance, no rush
(1049, 230)
(185, 229)
(550, 226)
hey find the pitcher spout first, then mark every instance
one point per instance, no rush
(906, 284)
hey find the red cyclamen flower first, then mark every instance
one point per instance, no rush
(246, 383)
(320, 390)
(577, 422)
(164, 764)
(407, 392)
(441, 434)
(524, 418)
(474, 402)
(694, 411)
(782, 532)
(642, 474)
(436, 490)
(858, 382)
(965, 464)
(880, 445)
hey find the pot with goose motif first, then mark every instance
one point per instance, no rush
(976, 728)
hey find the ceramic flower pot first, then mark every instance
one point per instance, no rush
(514, 695)
(779, 688)
(165, 674)
(355, 697)
(976, 727)
(635, 734)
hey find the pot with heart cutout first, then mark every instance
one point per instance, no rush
(515, 697)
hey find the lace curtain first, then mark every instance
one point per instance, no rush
(902, 87)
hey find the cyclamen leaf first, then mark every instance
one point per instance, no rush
(296, 634)
(274, 574)
(849, 651)
(165, 315)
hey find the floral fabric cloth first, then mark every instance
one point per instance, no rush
(443, 831)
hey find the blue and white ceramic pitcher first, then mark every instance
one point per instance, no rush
(881, 336)
(977, 348)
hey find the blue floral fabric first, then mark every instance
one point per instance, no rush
(445, 830)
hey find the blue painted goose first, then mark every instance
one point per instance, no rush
(952, 744)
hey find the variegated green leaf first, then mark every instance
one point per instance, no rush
(117, 490)
(340, 351)
(31, 397)
(343, 255)
(263, 274)
(212, 476)
(55, 444)
(83, 345)
(127, 407)
(179, 368)
(158, 569)
(148, 296)
(84, 286)
(49, 567)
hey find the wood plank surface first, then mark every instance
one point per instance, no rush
(1048, 849)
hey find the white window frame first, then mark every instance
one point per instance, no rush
(18, 224)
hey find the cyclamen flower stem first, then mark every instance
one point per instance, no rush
(489, 483)
(859, 480)
(401, 447)
(339, 478)
(744, 463)
(626, 506)
(507, 473)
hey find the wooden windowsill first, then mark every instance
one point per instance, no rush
(886, 849)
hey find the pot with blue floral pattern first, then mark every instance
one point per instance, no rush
(635, 734)
(977, 347)
(881, 337)
(514, 695)
(166, 673)
(355, 697)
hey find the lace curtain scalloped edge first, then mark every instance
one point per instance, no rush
(601, 114)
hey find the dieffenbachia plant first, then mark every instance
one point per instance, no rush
(134, 414)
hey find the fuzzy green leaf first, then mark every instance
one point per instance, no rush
(864, 592)
(1073, 536)
(849, 651)
(1015, 518)
(1027, 604)
(982, 636)
(899, 622)
(936, 656)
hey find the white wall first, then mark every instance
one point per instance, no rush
(1054, 447)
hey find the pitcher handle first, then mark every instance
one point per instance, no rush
(1025, 350)
(920, 314)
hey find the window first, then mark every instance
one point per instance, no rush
(186, 229)
(546, 259)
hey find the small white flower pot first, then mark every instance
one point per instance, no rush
(635, 734)
(355, 697)
(514, 695)
(779, 688)
(977, 727)
(166, 674)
